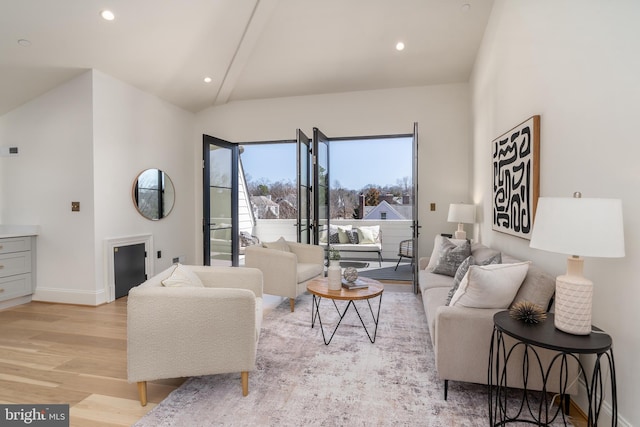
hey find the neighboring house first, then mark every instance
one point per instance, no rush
(246, 217)
(286, 209)
(383, 211)
(264, 207)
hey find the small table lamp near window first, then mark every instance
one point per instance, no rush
(462, 214)
(577, 227)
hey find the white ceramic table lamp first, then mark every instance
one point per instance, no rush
(577, 227)
(462, 214)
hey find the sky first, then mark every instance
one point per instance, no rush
(353, 163)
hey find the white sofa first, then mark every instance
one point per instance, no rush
(461, 336)
(346, 238)
(286, 266)
(201, 321)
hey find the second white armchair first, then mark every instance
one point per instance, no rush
(286, 266)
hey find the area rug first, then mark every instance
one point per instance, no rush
(354, 264)
(404, 273)
(300, 381)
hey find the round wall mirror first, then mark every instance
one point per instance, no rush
(153, 194)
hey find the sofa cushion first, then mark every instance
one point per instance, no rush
(464, 267)
(334, 238)
(451, 256)
(490, 286)
(428, 280)
(369, 234)
(360, 247)
(182, 277)
(280, 245)
(437, 246)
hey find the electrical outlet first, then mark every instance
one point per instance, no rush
(433, 206)
(75, 206)
(176, 260)
(159, 254)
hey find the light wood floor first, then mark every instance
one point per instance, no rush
(77, 355)
(55, 353)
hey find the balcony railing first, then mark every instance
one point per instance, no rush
(393, 232)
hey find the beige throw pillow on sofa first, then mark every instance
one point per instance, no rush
(490, 286)
(182, 277)
(280, 245)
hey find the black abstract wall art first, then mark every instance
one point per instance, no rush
(516, 170)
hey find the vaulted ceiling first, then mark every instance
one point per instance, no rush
(249, 48)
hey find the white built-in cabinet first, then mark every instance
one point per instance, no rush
(17, 270)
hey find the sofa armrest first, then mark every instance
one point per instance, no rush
(462, 342)
(230, 277)
(279, 269)
(187, 331)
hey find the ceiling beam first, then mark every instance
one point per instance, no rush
(257, 21)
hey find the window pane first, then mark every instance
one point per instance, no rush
(220, 167)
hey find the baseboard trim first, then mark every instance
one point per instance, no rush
(579, 401)
(70, 296)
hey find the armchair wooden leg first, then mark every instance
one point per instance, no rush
(244, 377)
(142, 392)
(292, 303)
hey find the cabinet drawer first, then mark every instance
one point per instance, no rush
(15, 244)
(15, 286)
(15, 263)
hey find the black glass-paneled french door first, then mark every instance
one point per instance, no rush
(220, 202)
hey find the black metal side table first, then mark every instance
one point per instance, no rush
(545, 335)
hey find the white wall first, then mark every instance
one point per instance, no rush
(575, 63)
(134, 131)
(443, 117)
(86, 141)
(54, 168)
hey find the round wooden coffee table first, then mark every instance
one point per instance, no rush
(319, 288)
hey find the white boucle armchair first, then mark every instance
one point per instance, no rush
(286, 266)
(183, 331)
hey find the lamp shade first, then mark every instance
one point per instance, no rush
(462, 213)
(579, 226)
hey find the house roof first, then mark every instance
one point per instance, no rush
(262, 201)
(383, 206)
(250, 49)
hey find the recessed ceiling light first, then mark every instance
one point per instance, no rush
(207, 79)
(465, 7)
(400, 46)
(107, 15)
(24, 42)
